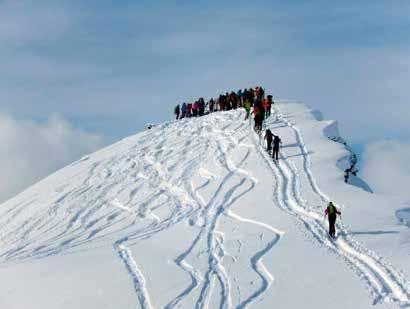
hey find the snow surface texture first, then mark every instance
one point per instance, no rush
(195, 213)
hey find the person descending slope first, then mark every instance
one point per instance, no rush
(331, 212)
(176, 111)
(276, 142)
(269, 139)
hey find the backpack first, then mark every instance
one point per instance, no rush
(331, 209)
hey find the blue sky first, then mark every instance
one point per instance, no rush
(109, 67)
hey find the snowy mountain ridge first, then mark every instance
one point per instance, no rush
(195, 213)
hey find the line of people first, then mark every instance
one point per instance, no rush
(331, 212)
(252, 98)
(247, 98)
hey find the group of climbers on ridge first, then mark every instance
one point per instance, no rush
(252, 98)
(247, 98)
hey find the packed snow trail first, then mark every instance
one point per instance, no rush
(386, 284)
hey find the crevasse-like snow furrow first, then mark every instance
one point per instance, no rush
(385, 282)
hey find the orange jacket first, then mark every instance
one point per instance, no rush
(265, 103)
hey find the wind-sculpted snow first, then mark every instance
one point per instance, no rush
(190, 172)
(195, 183)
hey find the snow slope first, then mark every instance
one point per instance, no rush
(195, 213)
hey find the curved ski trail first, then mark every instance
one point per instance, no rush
(385, 283)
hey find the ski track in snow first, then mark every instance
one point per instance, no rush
(117, 200)
(214, 239)
(151, 185)
(385, 283)
(136, 275)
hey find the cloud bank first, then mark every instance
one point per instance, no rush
(386, 167)
(31, 150)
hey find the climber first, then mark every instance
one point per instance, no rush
(265, 107)
(176, 111)
(261, 93)
(258, 118)
(239, 93)
(270, 103)
(201, 107)
(331, 212)
(183, 110)
(269, 139)
(247, 106)
(189, 110)
(195, 109)
(276, 142)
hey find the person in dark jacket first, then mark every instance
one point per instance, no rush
(270, 103)
(269, 139)
(239, 95)
(211, 105)
(261, 93)
(201, 110)
(331, 212)
(195, 109)
(189, 110)
(276, 142)
(183, 110)
(221, 102)
(177, 111)
(228, 103)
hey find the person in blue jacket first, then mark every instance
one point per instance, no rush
(183, 110)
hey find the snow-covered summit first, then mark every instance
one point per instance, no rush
(194, 213)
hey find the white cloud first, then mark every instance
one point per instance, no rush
(30, 151)
(386, 167)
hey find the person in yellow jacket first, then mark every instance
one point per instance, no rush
(247, 106)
